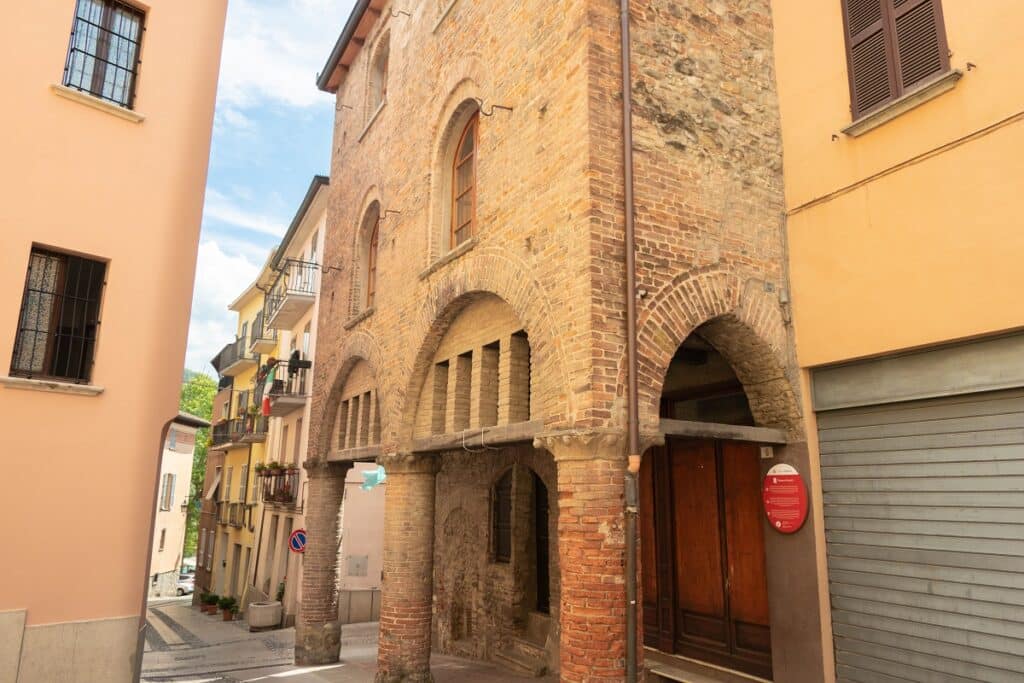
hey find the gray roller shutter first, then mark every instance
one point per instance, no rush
(924, 519)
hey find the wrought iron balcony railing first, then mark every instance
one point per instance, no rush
(262, 339)
(281, 488)
(234, 357)
(236, 514)
(292, 293)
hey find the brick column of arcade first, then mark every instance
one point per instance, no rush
(591, 546)
(317, 631)
(407, 593)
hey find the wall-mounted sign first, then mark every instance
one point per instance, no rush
(297, 541)
(785, 499)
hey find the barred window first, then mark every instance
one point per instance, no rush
(501, 519)
(103, 57)
(59, 317)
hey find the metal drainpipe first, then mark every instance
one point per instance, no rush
(140, 642)
(631, 398)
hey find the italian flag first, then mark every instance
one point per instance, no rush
(268, 384)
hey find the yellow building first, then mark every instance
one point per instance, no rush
(259, 487)
(903, 130)
(106, 136)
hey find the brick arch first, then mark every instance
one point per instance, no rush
(741, 320)
(473, 276)
(359, 346)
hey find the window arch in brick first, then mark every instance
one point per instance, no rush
(377, 82)
(456, 171)
(364, 285)
(358, 421)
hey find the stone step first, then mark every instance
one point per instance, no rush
(538, 626)
(521, 663)
(529, 648)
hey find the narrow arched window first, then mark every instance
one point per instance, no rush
(378, 81)
(371, 266)
(464, 184)
(501, 519)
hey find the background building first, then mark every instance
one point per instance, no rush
(110, 114)
(903, 128)
(166, 561)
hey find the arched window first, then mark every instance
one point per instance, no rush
(371, 265)
(501, 519)
(378, 81)
(463, 222)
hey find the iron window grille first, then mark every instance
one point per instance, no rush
(103, 55)
(59, 319)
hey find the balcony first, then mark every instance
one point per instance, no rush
(256, 427)
(235, 359)
(289, 394)
(228, 432)
(292, 295)
(263, 339)
(236, 515)
(281, 489)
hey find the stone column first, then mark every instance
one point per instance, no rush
(406, 609)
(591, 550)
(317, 631)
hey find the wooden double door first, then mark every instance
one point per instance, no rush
(705, 594)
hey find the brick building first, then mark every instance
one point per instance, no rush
(473, 338)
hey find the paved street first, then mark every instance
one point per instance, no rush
(185, 645)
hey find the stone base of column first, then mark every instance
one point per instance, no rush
(403, 677)
(317, 644)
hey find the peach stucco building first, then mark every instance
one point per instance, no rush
(107, 136)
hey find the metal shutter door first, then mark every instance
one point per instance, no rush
(924, 520)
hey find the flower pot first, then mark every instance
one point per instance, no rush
(275, 472)
(228, 616)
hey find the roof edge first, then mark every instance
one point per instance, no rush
(189, 420)
(323, 80)
(318, 182)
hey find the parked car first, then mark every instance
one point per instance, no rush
(186, 584)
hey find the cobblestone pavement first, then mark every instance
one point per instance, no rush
(185, 645)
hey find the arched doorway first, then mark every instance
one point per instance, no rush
(705, 590)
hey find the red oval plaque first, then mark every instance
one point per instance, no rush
(785, 499)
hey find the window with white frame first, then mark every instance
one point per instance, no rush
(243, 483)
(167, 491)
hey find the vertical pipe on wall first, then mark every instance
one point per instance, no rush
(633, 419)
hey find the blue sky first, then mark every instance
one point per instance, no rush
(271, 134)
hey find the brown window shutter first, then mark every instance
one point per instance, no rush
(869, 53)
(891, 45)
(920, 41)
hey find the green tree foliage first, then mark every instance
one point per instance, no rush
(197, 392)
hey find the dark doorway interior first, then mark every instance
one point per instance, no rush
(540, 534)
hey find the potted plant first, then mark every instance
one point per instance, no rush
(210, 603)
(227, 606)
(293, 467)
(259, 469)
(274, 467)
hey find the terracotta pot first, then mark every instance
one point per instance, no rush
(228, 616)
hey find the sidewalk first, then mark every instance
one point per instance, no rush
(184, 645)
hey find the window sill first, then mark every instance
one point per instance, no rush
(359, 318)
(96, 103)
(373, 117)
(923, 93)
(444, 15)
(449, 257)
(51, 385)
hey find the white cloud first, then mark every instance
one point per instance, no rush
(273, 50)
(220, 278)
(220, 207)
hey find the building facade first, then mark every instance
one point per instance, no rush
(902, 183)
(256, 486)
(166, 560)
(113, 114)
(473, 341)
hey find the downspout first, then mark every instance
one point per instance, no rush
(140, 643)
(633, 418)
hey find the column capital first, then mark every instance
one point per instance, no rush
(410, 463)
(323, 468)
(592, 444)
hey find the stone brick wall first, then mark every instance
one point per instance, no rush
(549, 245)
(479, 602)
